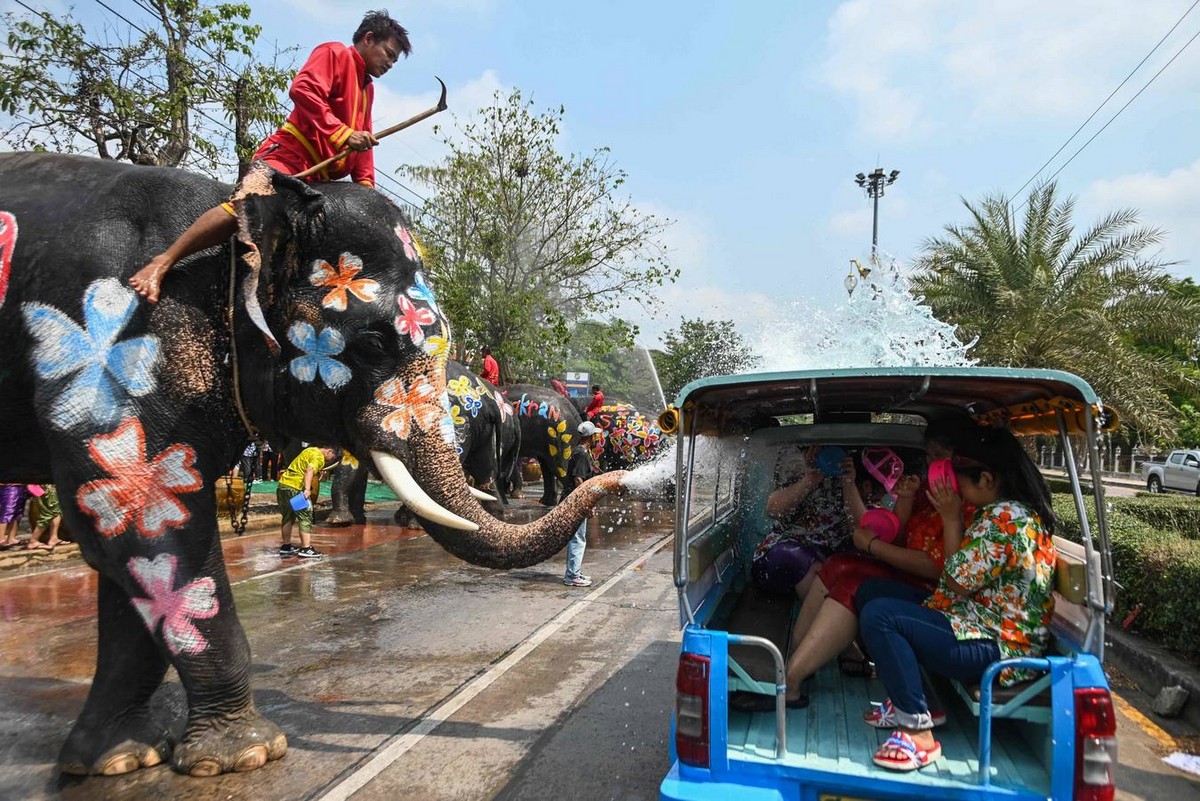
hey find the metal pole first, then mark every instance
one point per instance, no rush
(875, 217)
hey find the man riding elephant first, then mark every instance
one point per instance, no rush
(316, 324)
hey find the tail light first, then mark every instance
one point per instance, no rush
(1095, 745)
(691, 710)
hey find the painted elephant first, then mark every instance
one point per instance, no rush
(486, 436)
(548, 427)
(629, 436)
(315, 323)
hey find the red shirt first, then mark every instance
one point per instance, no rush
(491, 370)
(333, 96)
(594, 406)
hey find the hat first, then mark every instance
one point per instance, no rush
(587, 428)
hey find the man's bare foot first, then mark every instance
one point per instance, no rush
(148, 280)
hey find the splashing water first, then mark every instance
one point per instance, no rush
(881, 325)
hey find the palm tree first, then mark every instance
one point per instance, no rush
(1035, 298)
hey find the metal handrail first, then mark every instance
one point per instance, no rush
(780, 686)
(985, 706)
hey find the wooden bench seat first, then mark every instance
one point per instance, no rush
(761, 615)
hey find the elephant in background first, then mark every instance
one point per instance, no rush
(314, 323)
(629, 437)
(487, 438)
(549, 425)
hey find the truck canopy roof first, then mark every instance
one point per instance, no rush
(1027, 400)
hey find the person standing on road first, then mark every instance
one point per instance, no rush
(301, 479)
(580, 469)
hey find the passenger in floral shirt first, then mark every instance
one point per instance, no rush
(993, 600)
(810, 521)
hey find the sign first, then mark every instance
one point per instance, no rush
(577, 384)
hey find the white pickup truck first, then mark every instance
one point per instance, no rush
(1180, 472)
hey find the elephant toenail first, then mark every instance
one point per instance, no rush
(151, 758)
(74, 768)
(205, 768)
(122, 763)
(277, 747)
(252, 758)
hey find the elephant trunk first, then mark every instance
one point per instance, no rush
(456, 521)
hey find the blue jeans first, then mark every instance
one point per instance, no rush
(874, 588)
(575, 547)
(901, 635)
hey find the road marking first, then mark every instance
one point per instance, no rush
(401, 744)
(1152, 729)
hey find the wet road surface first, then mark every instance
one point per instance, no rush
(359, 653)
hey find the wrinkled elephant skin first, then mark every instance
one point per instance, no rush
(129, 408)
(487, 438)
(629, 437)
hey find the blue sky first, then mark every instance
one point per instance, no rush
(746, 122)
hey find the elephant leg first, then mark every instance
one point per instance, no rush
(225, 731)
(117, 732)
(550, 481)
(358, 495)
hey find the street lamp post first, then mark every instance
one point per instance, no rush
(873, 185)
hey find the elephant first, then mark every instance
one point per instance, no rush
(629, 437)
(549, 424)
(487, 438)
(315, 323)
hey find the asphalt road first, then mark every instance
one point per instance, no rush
(398, 671)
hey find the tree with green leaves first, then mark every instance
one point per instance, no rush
(521, 240)
(1038, 295)
(179, 87)
(607, 353)
(700, 348)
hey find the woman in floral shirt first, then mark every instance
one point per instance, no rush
(993, 600)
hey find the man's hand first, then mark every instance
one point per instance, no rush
(361, 141)
(907, 486)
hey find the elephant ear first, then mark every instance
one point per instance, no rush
(273, 210)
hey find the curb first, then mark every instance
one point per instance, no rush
(1153, 668)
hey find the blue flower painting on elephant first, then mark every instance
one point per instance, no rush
(108, 373)
(319, 350)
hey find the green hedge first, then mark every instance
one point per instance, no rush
(1156, 564)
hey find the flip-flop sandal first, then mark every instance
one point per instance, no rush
(757, 702)
(899, 752)
(883, 716)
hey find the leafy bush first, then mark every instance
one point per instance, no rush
(1156, 565)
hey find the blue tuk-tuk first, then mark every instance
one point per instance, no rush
(1053, 737)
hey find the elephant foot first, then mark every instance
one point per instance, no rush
(236, 744)
(116, 747)
(548, 501)
(338, 520)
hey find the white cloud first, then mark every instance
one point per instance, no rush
(1170, 202)
(908, 65)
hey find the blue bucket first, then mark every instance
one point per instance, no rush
(829, 460)
(300, 502)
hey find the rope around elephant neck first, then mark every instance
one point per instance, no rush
(233, 354)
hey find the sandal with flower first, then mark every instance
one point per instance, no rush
(899, 752)
(883, 716)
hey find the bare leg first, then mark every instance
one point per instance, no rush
(53, 538)
(808, 611)
(10, 534)
(285, 532)
(305, 538)
(211, 228)
(833, 628)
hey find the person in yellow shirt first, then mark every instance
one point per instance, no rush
(301, 480)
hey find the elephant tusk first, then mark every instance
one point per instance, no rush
(401, 482)
(481, 495)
